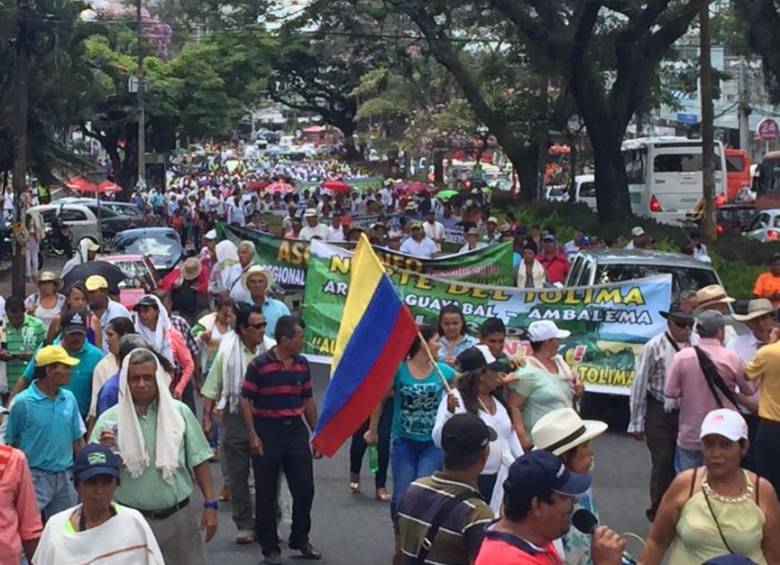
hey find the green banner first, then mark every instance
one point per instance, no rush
(288, 259)
(609, 323)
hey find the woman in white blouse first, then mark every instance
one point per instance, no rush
(481, 375)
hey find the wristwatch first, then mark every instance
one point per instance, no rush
(211, 504)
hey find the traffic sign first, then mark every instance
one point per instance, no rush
(686, 118)
(767, 129)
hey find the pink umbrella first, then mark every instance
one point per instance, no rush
(279, 187)
(414, 187)
(337, 186)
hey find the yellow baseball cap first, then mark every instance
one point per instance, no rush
(96, 282)
(54, 354)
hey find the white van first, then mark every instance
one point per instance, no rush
(665, 176)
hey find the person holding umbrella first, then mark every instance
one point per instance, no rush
(86, 252)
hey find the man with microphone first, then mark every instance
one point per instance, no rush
(539, 496)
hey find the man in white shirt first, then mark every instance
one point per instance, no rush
(637, 234)
(419, 245)
(335, 229)
(760, 320)
(434, 229)
(313, 227)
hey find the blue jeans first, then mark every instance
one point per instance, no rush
(54, 491)
(686, 459)
(411, 460)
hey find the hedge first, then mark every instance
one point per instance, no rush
(737, 259)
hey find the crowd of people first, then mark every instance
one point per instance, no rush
(489, 455)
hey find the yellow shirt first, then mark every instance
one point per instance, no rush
(765, 368)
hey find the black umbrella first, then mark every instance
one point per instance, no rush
(113, 274)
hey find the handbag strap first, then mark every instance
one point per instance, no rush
(714, 380)
(426, 543)
(715, 519)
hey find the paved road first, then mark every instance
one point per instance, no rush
(355, 530)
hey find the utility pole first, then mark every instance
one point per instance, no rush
(21, 81)
(744, 107)
(141, 109)
(707, 125)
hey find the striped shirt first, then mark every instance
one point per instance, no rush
(654, 359)
(274, 390)
(461, 531)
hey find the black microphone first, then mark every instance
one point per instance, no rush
(586, 522)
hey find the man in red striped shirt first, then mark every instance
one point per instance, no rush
(275, 393)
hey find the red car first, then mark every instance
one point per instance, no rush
(141, 277)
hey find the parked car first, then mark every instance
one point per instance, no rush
(120, 208)
(79, 219)
(161, 245)
(614, 265)
(734, 217)
(114, 216)
(141, 277)
(765, 226)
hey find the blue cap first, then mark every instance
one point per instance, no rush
(93, 460)
(730, 560)
(538, 473)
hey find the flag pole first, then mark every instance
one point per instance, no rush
(434, 362)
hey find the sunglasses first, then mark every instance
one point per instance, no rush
(682, 324)
(259, 326)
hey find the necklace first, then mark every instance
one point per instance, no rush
(747, 493)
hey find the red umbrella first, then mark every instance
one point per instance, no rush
(279, 187)
(80, 184)
(337, 186)
(257, 185)
(106, 186)
(414, 187)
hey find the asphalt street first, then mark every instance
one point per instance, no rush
(355, 530)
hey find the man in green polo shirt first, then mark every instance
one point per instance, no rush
(162, 448)
(24, 334)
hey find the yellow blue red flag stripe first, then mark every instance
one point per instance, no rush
(374, 336)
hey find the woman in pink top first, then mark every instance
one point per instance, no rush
(20, 520)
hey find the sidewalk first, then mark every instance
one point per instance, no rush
(50, 264)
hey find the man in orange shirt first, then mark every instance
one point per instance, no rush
(768, 284)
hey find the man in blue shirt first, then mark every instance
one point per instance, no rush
(255, 283)
(44, 422)
(73, 340)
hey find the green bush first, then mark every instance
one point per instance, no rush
(737, 259)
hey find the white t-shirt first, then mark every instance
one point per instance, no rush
(424, 249)
(506, 438)
(308, 232)
(434, 230)
(335, 234)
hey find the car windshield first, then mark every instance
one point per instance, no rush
(161, 244)
(134, 271)
(558, 190)
(683, 278)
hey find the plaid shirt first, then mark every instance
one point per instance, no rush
(193, 345)
(650, 375)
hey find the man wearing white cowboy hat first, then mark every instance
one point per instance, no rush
(253, 289)
(760, 320)
(563, 433)
(714, 297)
(313, 228)
(650, 421)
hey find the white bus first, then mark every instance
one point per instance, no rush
(665, 176)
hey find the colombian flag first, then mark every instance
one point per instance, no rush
(375, 334)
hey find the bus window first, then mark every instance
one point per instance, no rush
(681, 163)
(635, 165)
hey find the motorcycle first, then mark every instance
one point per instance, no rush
(57, 241)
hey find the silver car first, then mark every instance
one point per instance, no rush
(78, 217)
(765, 226)
(614, 265)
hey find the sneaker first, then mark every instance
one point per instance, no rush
(308, 551)
(273, 558)
(245, 536)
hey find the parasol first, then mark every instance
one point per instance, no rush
(337, 186)
(113, 274)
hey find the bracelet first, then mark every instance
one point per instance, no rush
(213, 504)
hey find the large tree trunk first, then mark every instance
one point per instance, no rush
(525, 159)
(438, 166)
(612, 196)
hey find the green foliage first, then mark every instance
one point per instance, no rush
(737, 260)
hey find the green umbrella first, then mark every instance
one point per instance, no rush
(446, 194)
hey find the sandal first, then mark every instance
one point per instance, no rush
(382, 495)
(354, 487)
